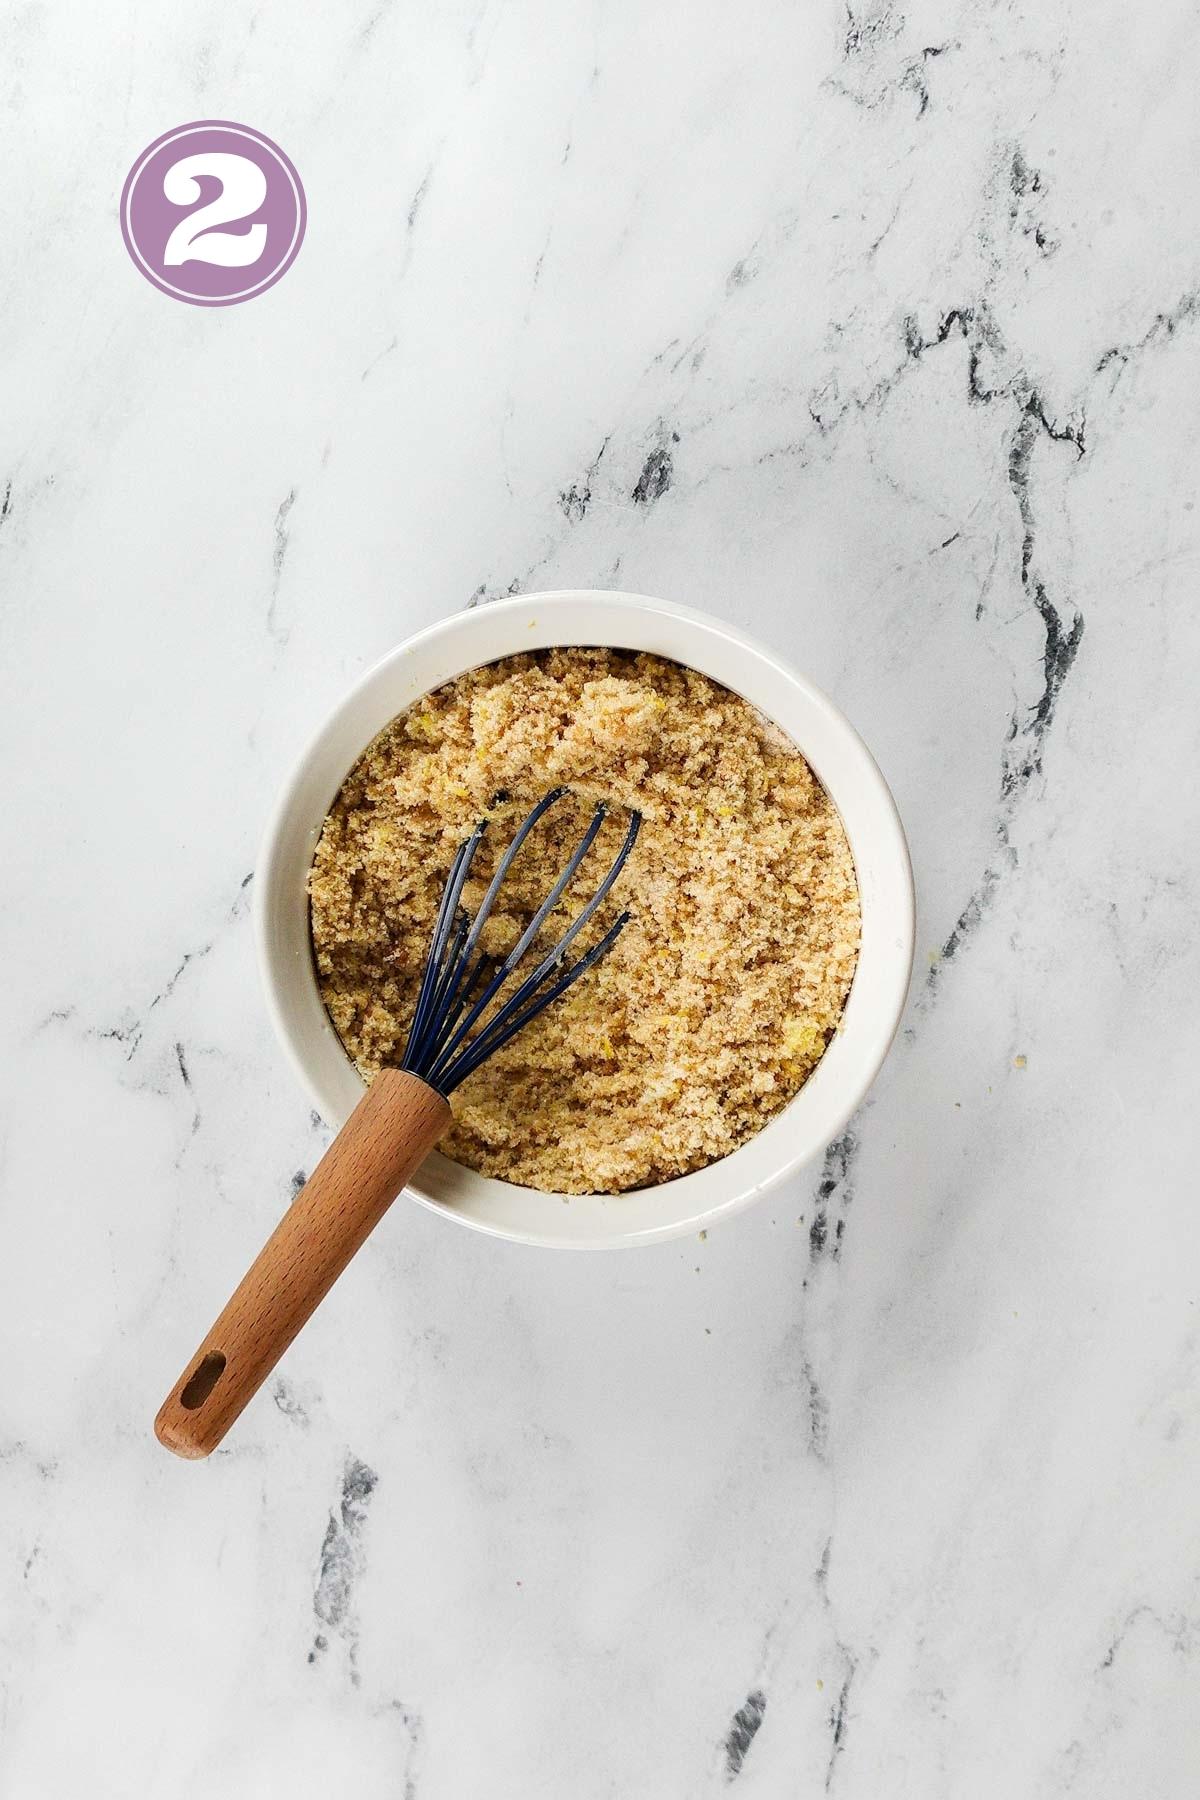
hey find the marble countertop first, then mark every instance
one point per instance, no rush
(877, 332)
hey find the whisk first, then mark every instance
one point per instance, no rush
(469, 1005)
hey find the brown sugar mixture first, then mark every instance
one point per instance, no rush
(720, 995)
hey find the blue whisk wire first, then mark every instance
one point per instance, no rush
(457, 991)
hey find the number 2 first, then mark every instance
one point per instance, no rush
(243, 190)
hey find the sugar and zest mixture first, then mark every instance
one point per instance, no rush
(720, 995)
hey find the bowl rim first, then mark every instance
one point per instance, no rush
(571, 617)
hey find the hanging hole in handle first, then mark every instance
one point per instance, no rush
(203, 1379)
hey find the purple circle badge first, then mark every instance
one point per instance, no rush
(213, 213)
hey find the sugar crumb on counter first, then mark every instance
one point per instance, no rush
(719, 997)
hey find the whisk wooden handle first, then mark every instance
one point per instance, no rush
(390, 1131)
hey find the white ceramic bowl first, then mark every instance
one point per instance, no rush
(837, 754)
